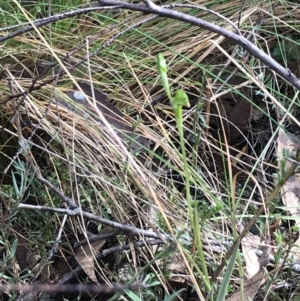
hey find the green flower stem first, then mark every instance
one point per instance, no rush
(181, 99)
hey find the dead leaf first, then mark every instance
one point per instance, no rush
(249, 245)
(21, 252)
(237, 119)
(85, 255)
(290, 191)
(252, 285)
(111, 113)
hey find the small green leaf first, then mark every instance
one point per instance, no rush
(13, 250)
(132, 295)
(227, 276)
(203, 121)
(15, 184)
(175, 294)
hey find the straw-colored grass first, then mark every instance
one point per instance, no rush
(87, 162)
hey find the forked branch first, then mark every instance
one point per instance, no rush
(163, 11)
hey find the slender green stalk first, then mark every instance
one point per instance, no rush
(181, 99)
(199, 247)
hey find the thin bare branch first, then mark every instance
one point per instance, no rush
(129, 230)
(47, 20)
(70, 288)
(240, 40)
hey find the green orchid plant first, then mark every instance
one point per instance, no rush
(178, 102)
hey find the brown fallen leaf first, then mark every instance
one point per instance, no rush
(249, 245)
(237, 119)
(21, 252)
(290, 191)
(252, 285)
(85, 255)
(111, 113)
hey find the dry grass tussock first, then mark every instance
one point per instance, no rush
(90, 163)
